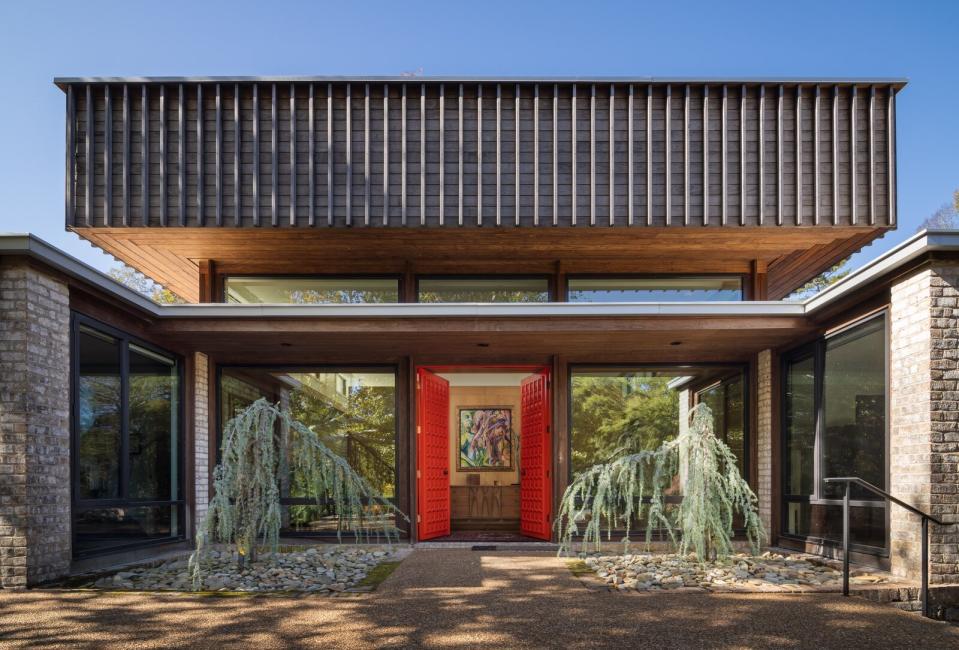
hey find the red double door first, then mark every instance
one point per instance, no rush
(433, 456)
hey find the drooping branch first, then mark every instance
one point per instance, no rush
(245, 510)
(695, 464)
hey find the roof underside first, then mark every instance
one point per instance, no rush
(173, 256)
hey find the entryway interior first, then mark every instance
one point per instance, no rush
(484, 420)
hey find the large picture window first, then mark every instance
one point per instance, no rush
(834, 424)
(126, 442)
(618, 411)
(352, 409)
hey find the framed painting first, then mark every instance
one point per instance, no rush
(485, 439)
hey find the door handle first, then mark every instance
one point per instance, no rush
(446, 472)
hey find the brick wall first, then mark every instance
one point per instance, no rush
(34, 426)
(764, 438)
(201, 435)
(924, 418)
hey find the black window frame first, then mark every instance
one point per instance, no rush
(550, 282)
(724, 383)
(743, 280)
(817, 350)
(320, 368)
(398, 278)
(77, 322)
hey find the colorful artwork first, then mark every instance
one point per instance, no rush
(485, 439)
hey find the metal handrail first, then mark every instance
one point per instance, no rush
(926, 518)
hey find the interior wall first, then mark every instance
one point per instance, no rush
(474, 396)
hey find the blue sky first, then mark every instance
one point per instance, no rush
(41, 40)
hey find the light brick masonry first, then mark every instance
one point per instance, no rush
(924, 418)
(201, 436)
(34, 426)
(764, 438)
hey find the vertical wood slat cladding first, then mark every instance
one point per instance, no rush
(406, 153)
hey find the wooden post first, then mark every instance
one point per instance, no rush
(207, 281)
(760, 282)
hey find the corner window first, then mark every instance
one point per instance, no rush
(310, 290)
(726, 401)
(658, 289)
(353, 410)
(488, 290)
(126, 442)
(834, 424)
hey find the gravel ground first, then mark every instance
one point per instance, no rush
(741, 572)
(464, 599)
(329, 569)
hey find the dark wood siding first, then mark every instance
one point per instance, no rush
(638, 154)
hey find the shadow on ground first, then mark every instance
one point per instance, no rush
(465, 599)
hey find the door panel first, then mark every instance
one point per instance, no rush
(535, 457)
(432, 455)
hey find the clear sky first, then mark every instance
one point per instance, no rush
(39, 40)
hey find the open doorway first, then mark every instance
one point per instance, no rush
(483, 453)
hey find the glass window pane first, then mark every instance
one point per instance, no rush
(483, 290)
(679, 288)
(725, 400)
(103, 528)
(800, 426)
(98, 416)
(867, 524)
(353, 411)
(617, 413)
(854, 407)
(287, 290)
(153, 425)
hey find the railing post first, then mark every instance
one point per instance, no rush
(924, 588)
(845, 541)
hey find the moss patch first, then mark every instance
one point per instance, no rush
(378, 574)
(579, 568)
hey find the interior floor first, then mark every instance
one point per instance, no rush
(502, 536)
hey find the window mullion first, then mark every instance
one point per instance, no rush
(124, 419)
(819, 364)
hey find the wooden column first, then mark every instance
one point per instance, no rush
(408, 284)
(559, 283)
(760, 283)
(207, 281)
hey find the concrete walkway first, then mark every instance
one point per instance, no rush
(465, 599)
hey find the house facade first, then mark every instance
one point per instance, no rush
(473, 288)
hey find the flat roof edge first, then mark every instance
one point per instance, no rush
(898, 82)
(923, 242)
(32, 246)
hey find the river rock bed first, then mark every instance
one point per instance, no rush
(332, 570)
(740, 572)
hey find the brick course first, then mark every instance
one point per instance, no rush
(201, 435)
(34, 426)
(924, 414)
(764, 438)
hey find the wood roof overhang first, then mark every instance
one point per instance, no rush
(624, 332)
(321, 153)
(173, 257)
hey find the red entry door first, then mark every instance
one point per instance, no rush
(432, 455)
(535, 456)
